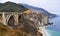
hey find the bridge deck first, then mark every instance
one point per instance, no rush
(11, 12)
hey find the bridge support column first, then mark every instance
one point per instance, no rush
(4, 20)
(16, 19)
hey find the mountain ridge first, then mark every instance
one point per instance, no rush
(11, 7)
(37, 9)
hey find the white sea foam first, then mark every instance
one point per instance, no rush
(47, 33)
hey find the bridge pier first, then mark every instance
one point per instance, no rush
(16, 19)
(4, 19)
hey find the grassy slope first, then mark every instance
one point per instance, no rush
(6, 31)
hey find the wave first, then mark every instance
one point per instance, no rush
(47, 33)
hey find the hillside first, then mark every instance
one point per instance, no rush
(37, 9)
(11, 7)
(5, 30)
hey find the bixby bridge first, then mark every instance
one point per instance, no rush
(5, 16)
(11, 17)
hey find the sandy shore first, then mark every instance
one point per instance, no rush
(43, 31)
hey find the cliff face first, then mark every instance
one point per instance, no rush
(31, 22)
(28, 23)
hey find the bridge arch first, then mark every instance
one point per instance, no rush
(11, 21)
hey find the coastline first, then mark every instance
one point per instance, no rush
(42, 30)
(47, 33)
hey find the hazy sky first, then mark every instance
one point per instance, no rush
(53, 6)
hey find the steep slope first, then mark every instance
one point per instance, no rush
(5, 30)
(36, 9)
(11, 7)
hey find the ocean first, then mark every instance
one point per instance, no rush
(54, 30)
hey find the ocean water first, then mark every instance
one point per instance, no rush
(54, 30)
(52, 33)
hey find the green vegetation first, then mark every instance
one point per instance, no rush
(11, 7)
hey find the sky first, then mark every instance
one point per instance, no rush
(52, 6)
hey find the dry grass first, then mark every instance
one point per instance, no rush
(6, 31)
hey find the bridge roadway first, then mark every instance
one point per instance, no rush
(11, 12)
